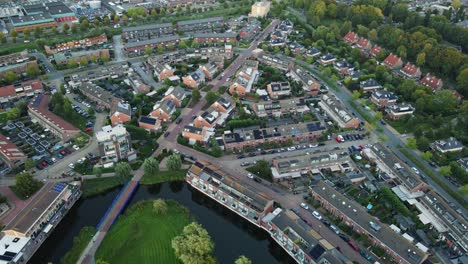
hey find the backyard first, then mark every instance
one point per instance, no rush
(133, 237)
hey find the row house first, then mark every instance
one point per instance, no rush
(78, 44)
(28, 88)
(227, 37)
(381, 98)
(279, 108)
(146, 32)
(327, 59)
(249, 31)
(273, 61)
(139, 47)
(370, 85)
(280, 134)
(364, 44)
(217, 114)
(121, 113)
(355, 216)
(279, 90)
(376, 50)
(100, 96)
(351, 38)
(150, 124)
(18, 68)
(343, 67)
(397, 111)
(201, 25)
(338, 112)
(194, 79)
(10, 153)
(393, 61)
(310, 85)
(198, 134)
(184, 3)
(432, 82)
(176, 95)
(162, 71)
(411, 71)
(164, 110)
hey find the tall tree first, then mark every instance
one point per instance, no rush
(26, 185)
(32, 71)
(194, 245)
(151, 166)
(211, 97)
(196, 95)
(174, 162)
(10, 76)
(123, 170)
(74, 28)
(243, 260)
(160, 206)
(65, 28)
(3, 38)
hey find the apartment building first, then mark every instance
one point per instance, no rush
(279, 90)
(146, 32)
(38, 110)
(279, 108)
(260, 9)
(27, 88)
(10, 153)
(114, 143)
(227, 37)
(338, 112)
(273, 61)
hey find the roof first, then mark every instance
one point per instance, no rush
(11, 246)
(350, 37)
(108, 132)
(400, 108)
(148, 120)
(336, 108)
(10, 150)
(98, 93)
(147, 27)
(167, 106)
(369, 83)
(376, 49)
(123, 108)
(215, 35)
(431, 81)
(177, 92)
(358, 214)
(328, 57)
(193, 130)
(31, 19)
(362, 43)
(54, 8)
(391, 60)
(448, 144)
(343, 65)
(225, 101)
(28, 86)
(152, 41)
(200, 21)
(43, 199)
(384, 94)
(40, 105)
(280, 87)
(410, 69)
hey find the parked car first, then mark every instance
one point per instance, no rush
(353, 245)
(415, 170)
(250, 176)
(166, 134)
(317, 215)
(75, 147)
(257, 179)
(335, 229)
(305, 206)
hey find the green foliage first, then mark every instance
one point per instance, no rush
(243, 260)
(151, 166)
(123, 170)
(445, 171)
(164, 176)
(160, 207)
(194, 245)
(238, 123)
(411, 143)
(427, 155)
(261, 169)
(174, 162)
(25, 185)
(211, 97)
(79, 244)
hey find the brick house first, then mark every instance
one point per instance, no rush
(370, 85)
(396, 111)
(411, 71)
(210, 69)
(277, 90)
(364, 44)
(175, 94)
(197, 134)
(431, 81)
(150, 123)
(28, 88)
(121, 114)
(164, 110)
(351, 38)
(392, 61)
(327, 59)
(227, 37)
(376, 49)
(195, 79)
(10, 153)
(163, 71)
(383, 97)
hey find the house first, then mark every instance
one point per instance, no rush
(364, 44)
(351, 38)
(150, 123)
(313, 52)
(121, 114)
(356, 74)
(195, 79)
(196, 134)
(27, 88)
(277, 35)
(114, 143)
(164, 110)
(296, 48)
(376, 49)
(274, 42)
(210, 69)
(447, 145)
(327, 59)
(144, 32)
(102, 97)
(217, 114)
(392, 61)
(138, 47)
(370, 85)
(463, 162)
(383, 97)
(224, 104)
(344, 67)
(249, 31)
(286, 26)
(175, 94)
(310, 85)
(411, 71)
(246, 77)
(278, 90)
(338, 112)
(279, 108)
(163, 71)
(396, 111)
(10, 153)
(227, 37)
(431, 81)
(274, 61)
(78, 44)
(135, 81)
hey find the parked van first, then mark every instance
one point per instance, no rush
(335, 229)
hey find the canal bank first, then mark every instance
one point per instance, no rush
(233, 236)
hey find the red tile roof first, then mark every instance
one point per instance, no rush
(28, 86)
(391, 60)
(431, 81)
(40, 106)
(362, 43)
(350, 37)
(9, 149)
(410, 69)
(375, 50)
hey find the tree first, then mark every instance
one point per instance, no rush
(154, 13)
(411, 143)
(162, 11)
(196, 95)
(74, 28)
(84, 25)
(445, 171)
(37, 32)
(462, 82)
(355, 95)
(456, 4)
(65, 28)
(123, 170)
(182, 45)
(421, 59)
(151, 166)
(211, 97)
(29, 164)
(116, 19)
(54, 30)
(13, 114)
(194, 245)
(32, 71)
(148, 51)
(174, 162)
(378, 115)
(160, 207)
(243, 260)
(105, 58)
(13, 33)
(101, 261)
(10, 76)
(93, 59)
(26, 185)
(96, 22)
(216, 150)
(427, 155)
(27, 33)
(160, 49)
(72, 64)
(3, 38)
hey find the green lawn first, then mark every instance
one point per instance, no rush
(142, 236)
(79, 244)
(96, 186)
(164, 176)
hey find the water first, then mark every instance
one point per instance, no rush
(233, 236)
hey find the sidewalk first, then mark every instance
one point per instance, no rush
(16, 204)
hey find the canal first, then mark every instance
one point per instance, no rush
(233, 236)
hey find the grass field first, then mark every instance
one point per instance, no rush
(99, 185)
(142, 236)
(79, 244)
(164, 176)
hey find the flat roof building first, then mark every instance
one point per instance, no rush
(260, 9)
(278, 108)
(114, 143)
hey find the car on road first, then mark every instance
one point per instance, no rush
(344, 237)
(305, 206)
(317, 215)
(75, 147)
(433, 164)
(383, 123)
(166, 134)
(250, 176)
(39, 167)
(240, 156)
(415, 170)
(313, 145)
(257, 180)
(245, 163)
(178, 120)
(335, 229)
(291, 148)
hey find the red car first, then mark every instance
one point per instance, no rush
(44, 163)
(353, 245)
(88, 129)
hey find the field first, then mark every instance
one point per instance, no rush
(79, 244)
(164, 176)
(142, 236)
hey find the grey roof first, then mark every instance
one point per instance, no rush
(152, 41)
(147, 27)
(200, 21)
(370, 83)
(178, 92)
(215, 35)
(53, 8)
(124, 108)
(449, 143)
(400, 108)
(384, 94)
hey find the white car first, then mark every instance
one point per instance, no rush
(317, 215)
(250, 176)
(415, 170)
(313, 145)
(75, 147)
(291, 148)
(305, 206)
(71, 165)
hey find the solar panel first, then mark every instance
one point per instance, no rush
(148, 120)
(10, 254)
(5, 258)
